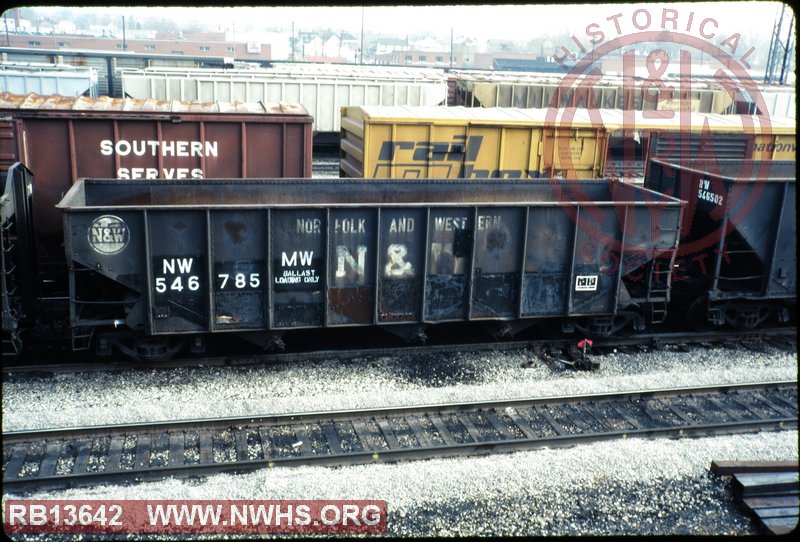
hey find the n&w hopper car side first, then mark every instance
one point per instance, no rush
(154, 260)
(62, 139)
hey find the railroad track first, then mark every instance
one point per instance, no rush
(564, 348)
(48, 459)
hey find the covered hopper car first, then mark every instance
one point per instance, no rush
(321, 89)
(152, 261)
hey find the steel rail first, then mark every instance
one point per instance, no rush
(439, 430)
(650, 340)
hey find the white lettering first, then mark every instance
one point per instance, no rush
(123, 148)
(402, 225)
(396, 266)
(309, 225)
(184, 265)
(286, 261)
(485, 222)
(144, 147)
(450, 223)
(306, 258)
(167, 148)
(343, 256)
(350, 225)
(106, 147)
(155, 173)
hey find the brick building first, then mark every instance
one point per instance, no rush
(201, 45)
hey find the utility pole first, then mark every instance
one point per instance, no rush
(124, 41)
(451, 47)
(361, 51)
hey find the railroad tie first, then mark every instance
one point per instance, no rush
(82, 459)
(176, 449)
(115, 453)
(441, 428)
(14, 466)
(240, 442)
(50, 460)
(142, 452)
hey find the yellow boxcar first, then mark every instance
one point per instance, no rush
(464, 142)
(749, 137)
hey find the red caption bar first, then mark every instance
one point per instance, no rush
(194, 516)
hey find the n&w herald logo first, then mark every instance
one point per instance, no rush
(108, 234)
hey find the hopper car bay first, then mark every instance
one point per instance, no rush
(738, 256)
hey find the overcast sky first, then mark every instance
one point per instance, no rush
(518, 21)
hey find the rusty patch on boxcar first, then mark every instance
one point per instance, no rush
(106, 103)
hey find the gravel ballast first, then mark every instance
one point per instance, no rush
(79, 399)
(632, 486)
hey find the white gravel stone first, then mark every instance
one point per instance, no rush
(630, 486)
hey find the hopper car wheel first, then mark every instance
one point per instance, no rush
(152, 349)
(697, 315)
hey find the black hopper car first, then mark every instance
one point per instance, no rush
(152, 260)
(737, 263)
